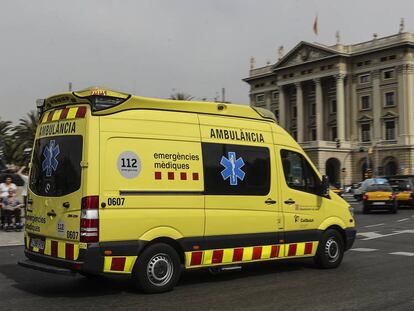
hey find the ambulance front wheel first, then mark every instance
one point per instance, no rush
(330, 250)
(157, 269)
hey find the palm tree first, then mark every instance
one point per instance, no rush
(5, 127)
(181, 96)
(23, 137)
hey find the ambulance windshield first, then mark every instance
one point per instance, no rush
(56, 167)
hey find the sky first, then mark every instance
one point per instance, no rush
(156, 48)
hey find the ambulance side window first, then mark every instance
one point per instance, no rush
(236, 169)
(299, 174)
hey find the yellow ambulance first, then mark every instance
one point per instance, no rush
(121, 184)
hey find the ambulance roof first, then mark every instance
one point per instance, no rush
(105, 101)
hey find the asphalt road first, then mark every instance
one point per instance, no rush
(377, 274)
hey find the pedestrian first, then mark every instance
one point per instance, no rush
(4, 192)
(23, 173)
(12, 208)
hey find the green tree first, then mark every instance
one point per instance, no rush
(23, 136)
(5, 128)
(181, 96)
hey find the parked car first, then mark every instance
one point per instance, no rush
(379, 197)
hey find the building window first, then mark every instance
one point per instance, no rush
(359, 64)
(294, 112)
(367, 62)
(365, 132)
(313, 109)
(333, 133)
(330, 66)
(365, 104)
(291, 75)
(363, 79)
(391, 57)
(333, 106)
(322, 68)
(275, 96)
(260, 98)
(389, 99)
(388, 74)
(313, 134)
(390, 130)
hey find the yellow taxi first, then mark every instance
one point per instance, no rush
(379, 197)
(404, 191)
(336, 190)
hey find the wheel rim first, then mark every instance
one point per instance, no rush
(332, 249)
(160, 269)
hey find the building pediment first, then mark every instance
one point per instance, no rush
(305, 52)
(365, 118)
(389, 115)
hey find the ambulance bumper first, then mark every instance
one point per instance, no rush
(27, 263)
(350, 237)
(90, 260)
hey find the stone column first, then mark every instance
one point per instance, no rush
(354, 110)
(268, 100)
(282, 107)
(376, 106)
(319, 109)
(410, 104)
(299, 109)
(402, 104)
(340, 106)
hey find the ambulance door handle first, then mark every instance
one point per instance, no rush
(290, 201)
(66, 205)
(270, 201)
(51, 213)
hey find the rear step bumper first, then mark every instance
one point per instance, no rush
(27, 263)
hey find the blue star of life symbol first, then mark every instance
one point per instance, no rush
(50, 163)
(232, 168)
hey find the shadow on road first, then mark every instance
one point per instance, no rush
(51, 285)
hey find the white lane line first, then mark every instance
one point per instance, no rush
(362, 249)
(404, 219)
(377, 225)
(402, 254)
(374, 235)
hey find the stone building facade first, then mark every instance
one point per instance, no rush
(351, 107)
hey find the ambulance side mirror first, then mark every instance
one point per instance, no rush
(324, 186)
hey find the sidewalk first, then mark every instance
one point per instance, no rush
(11, 238)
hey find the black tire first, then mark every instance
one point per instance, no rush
(157, 269)
(330, 250)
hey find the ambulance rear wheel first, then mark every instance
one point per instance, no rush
(330, 250)
(157, 269)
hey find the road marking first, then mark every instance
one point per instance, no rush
(404, 219)
(402, 254)
(375, 235)
(362, 249)
(377, 225)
